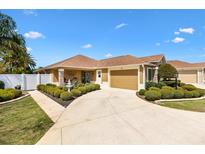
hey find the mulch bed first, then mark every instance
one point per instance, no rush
(59, 101)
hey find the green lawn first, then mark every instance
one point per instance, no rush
(23, 122)
(195, 105)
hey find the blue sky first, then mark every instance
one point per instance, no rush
(54, 35)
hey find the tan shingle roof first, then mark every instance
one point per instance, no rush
(182, 64)
(76, 61)
(81, 61)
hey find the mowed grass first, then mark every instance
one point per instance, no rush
(195, 105)
(22, 122)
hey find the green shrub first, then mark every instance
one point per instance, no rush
(51, 85)
(167, 93)
(178, 93)
(150, 84)
(41, 87)
(2, 85)
(18, 93)
(154, 88)
(57, 93)
(189, 87)
(201, 92)
(50, 90)
(195, 93)
(63, 88)
(167, 87)
(172, 83)
(181, 84)
(92, 87)
(180, 88)
(6, 95)
(142, 92)
(97, 86)
(65, 96)
(82, 90)
(152, 95)
(161, 84)
(188, 94)
(76, 92)
(88, 88)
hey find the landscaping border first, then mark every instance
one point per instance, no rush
(16, 99)
(175, 100)
(58, 100)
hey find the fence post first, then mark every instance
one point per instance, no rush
(23, 82)
(38, 79)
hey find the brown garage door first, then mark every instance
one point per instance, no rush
(188, 76)
(126, 79)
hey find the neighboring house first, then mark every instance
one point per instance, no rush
(189, 72)
(127, 72)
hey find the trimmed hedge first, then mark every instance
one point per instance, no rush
(188, 94)
(167, 92)
(8, 94)
(76, 92)
(56, 91)
(142, 92)
(152, 95)
(154, 88)
(178, 93)
(189, 87)
(65, 96)
(82, 90)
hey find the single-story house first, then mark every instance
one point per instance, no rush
(189, 72)
(127, 72)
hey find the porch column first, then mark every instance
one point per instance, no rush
(61, 77)
(155, 79)
(144, 76)
(108, 73)
(200, 76)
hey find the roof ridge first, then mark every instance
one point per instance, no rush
(62, 61)
(118, 57)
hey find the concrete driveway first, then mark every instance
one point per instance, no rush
(114, 116)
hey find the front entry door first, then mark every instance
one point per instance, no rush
(99, 76)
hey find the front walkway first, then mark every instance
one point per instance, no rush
(113, 116)
(52, 109)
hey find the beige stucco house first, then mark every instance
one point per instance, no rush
(189, 72)
(127, 72)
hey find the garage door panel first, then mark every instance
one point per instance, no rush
(188, 76)
(126, 79)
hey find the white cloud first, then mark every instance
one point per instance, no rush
(33, 35)
(121, 25)
(178, 40)
(186, 30)
(158, 44)
(30, 12)
(28, 49)
(176, 33)
(86, 46)
(108, 55)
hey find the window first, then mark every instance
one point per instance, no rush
(150, 74)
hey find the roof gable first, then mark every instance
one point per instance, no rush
(81, 61)
(183, 64)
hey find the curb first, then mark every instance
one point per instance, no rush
(16, 99)
(174, 100)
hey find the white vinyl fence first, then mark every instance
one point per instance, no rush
(27, 81)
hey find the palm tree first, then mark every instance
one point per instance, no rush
(13, 53)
